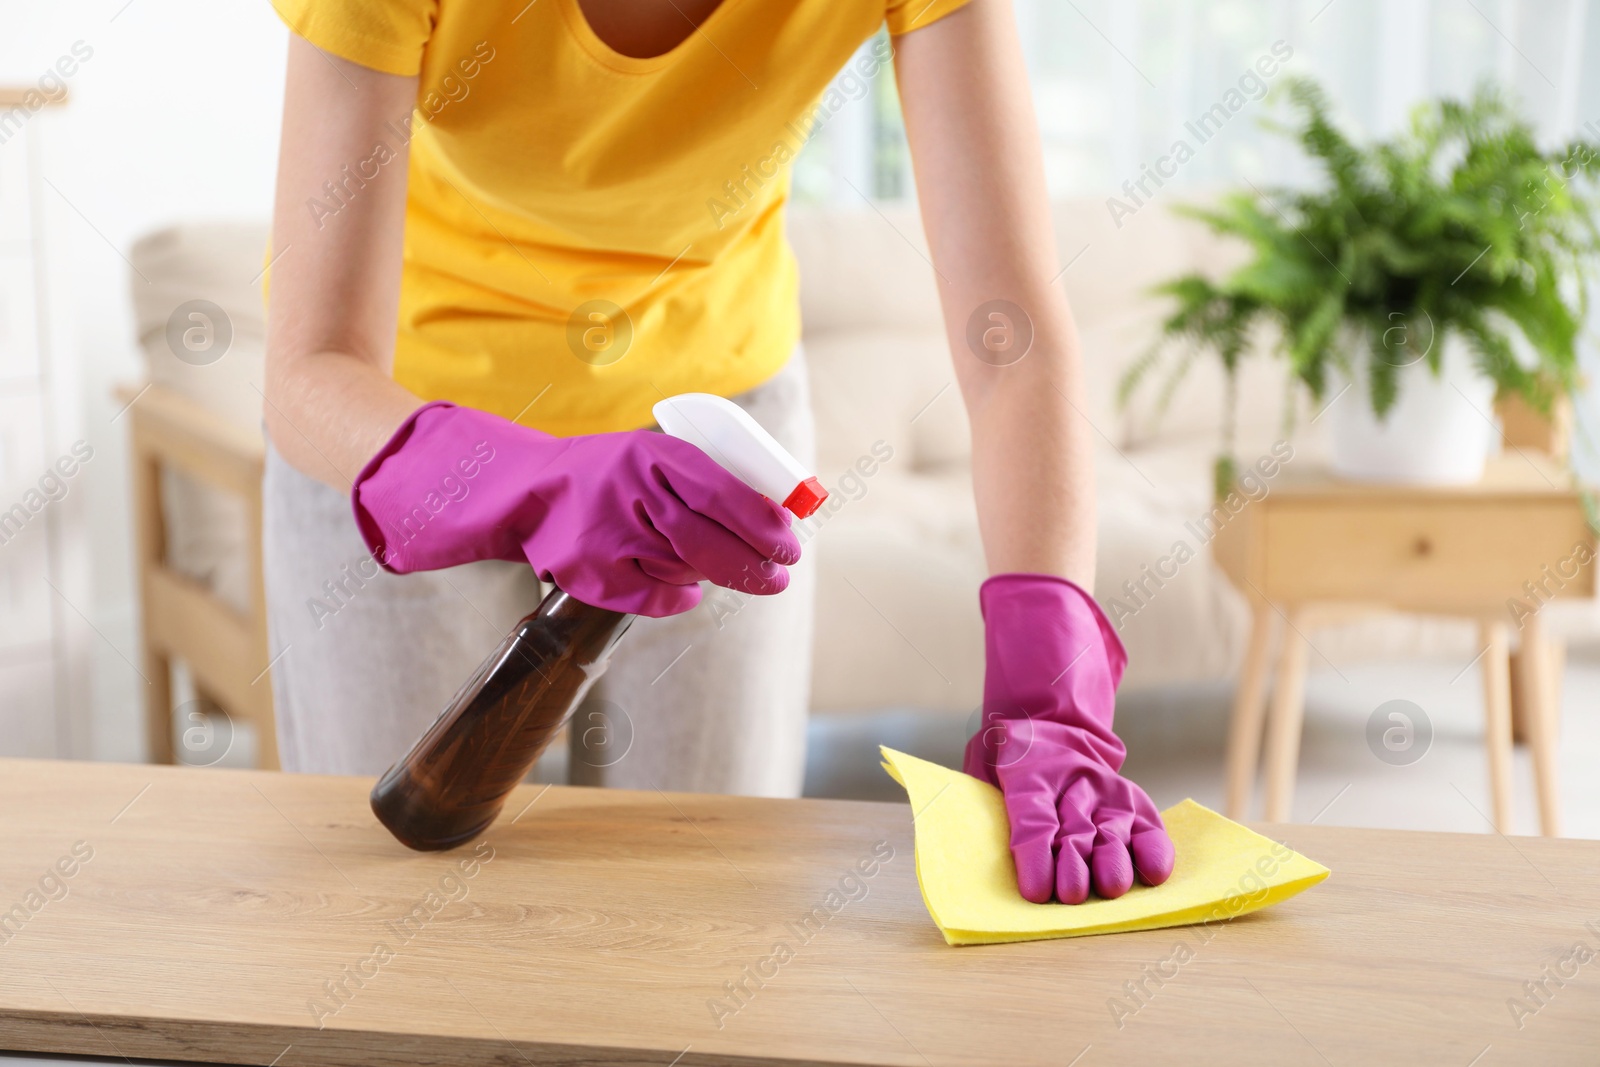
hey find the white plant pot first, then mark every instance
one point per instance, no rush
(1439, 431)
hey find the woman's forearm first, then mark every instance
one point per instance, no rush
(1032, 450)
(327, 413)
(980, 175)
(1032, 469)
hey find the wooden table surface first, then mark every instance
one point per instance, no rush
(207, 911)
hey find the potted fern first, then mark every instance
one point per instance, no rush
(1424, 276)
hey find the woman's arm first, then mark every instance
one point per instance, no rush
(335, 282)
(980, 176)
(1052, 658)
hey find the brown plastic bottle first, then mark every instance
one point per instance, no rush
(452, 784)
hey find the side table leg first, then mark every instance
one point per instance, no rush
(1556, 656)
(1497, 719)
(1542, 717)
(1249, 713)
(1288, 714)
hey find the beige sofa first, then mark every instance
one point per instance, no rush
(900, 561)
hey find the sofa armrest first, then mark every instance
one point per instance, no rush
(226, 651)
(198, 442)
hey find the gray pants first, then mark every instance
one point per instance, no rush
(710, 701)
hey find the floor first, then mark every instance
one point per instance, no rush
(1176, 742)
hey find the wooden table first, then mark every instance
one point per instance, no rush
(1315, 549)
(216, 907)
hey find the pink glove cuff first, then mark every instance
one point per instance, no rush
(1052, 658)
(1012, 602)
(396, 505)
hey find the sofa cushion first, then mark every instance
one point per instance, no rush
(899, 565)
(863, 269)
(866, 386)
(1190, 625)
(900, 562)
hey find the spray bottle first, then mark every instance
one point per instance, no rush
(455, 779)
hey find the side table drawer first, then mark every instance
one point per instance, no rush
(1453, 555)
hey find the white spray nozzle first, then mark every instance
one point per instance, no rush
(725, 431)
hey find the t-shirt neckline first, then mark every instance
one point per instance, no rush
(607, 56)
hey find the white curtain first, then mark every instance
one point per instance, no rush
(1116, 81)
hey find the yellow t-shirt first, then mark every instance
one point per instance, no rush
(587, 232)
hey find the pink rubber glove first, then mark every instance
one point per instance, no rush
(625, 521)
(1053, 664)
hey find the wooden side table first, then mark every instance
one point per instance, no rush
(1316, 547)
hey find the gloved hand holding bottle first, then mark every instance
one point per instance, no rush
(1053, 662)
(627, 521)
(630, 521)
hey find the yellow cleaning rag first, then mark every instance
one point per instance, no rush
(969, 883)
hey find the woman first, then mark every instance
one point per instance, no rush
(503, 232)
